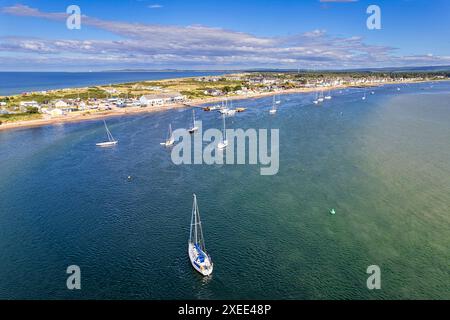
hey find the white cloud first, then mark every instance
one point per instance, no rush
(145, 45)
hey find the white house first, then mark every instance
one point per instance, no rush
(55, 112)
(30, 104)
(61, 104)
(151, 100)
(26, 104)
(213, 92)
(161, 99)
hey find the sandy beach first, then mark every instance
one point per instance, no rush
(78, 116)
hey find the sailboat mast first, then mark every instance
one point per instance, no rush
(224, 128)
(192, 219)
(108, 133)
(170, 132)
(195, 219)
(199, 237)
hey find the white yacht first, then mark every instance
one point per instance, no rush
(170, 139)
(200, 259)
(224, 143)
(111, 141)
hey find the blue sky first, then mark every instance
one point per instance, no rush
(313, 34)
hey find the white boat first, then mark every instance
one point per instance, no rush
(316, 101)
(200, 259)
(228, 111)
(274, 109)
(328, 96)
(320, 99)
(364, 97)
(224, 110)
(224, 143)
(111, 141)
(170, 140)
(277, 101)
(194, 128)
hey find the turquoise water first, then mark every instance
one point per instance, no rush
(383, 164)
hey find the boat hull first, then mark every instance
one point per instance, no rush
(193, 130)
(205, 268)
(168, 143)
(106, 144)
(222, 145)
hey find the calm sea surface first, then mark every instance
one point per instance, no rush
(19, 82)
(383, 164)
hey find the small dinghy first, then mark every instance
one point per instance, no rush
(200, 259)
(111, 141)
(194, 128)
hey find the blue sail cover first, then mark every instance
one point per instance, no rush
(201, 255)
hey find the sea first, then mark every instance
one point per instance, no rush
(382, 163)
(12, 83)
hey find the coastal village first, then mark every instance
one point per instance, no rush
(186, 91)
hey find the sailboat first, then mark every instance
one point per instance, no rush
(194, 128)
(224, 109)
(200, 259)
(228, 111)
(316, 101)
(170, 140)
(320, 99)
(277, 101)
(222, 145)
(364, 97)
(328, 96)
(274, 109)
(231, 112)
(111, 141)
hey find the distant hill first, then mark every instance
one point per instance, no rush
(406, 69)
(385, 69)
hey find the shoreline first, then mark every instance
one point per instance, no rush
(80, 116)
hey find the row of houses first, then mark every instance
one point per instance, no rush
(161, 99)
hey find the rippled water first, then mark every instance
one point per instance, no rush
(383, 164)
